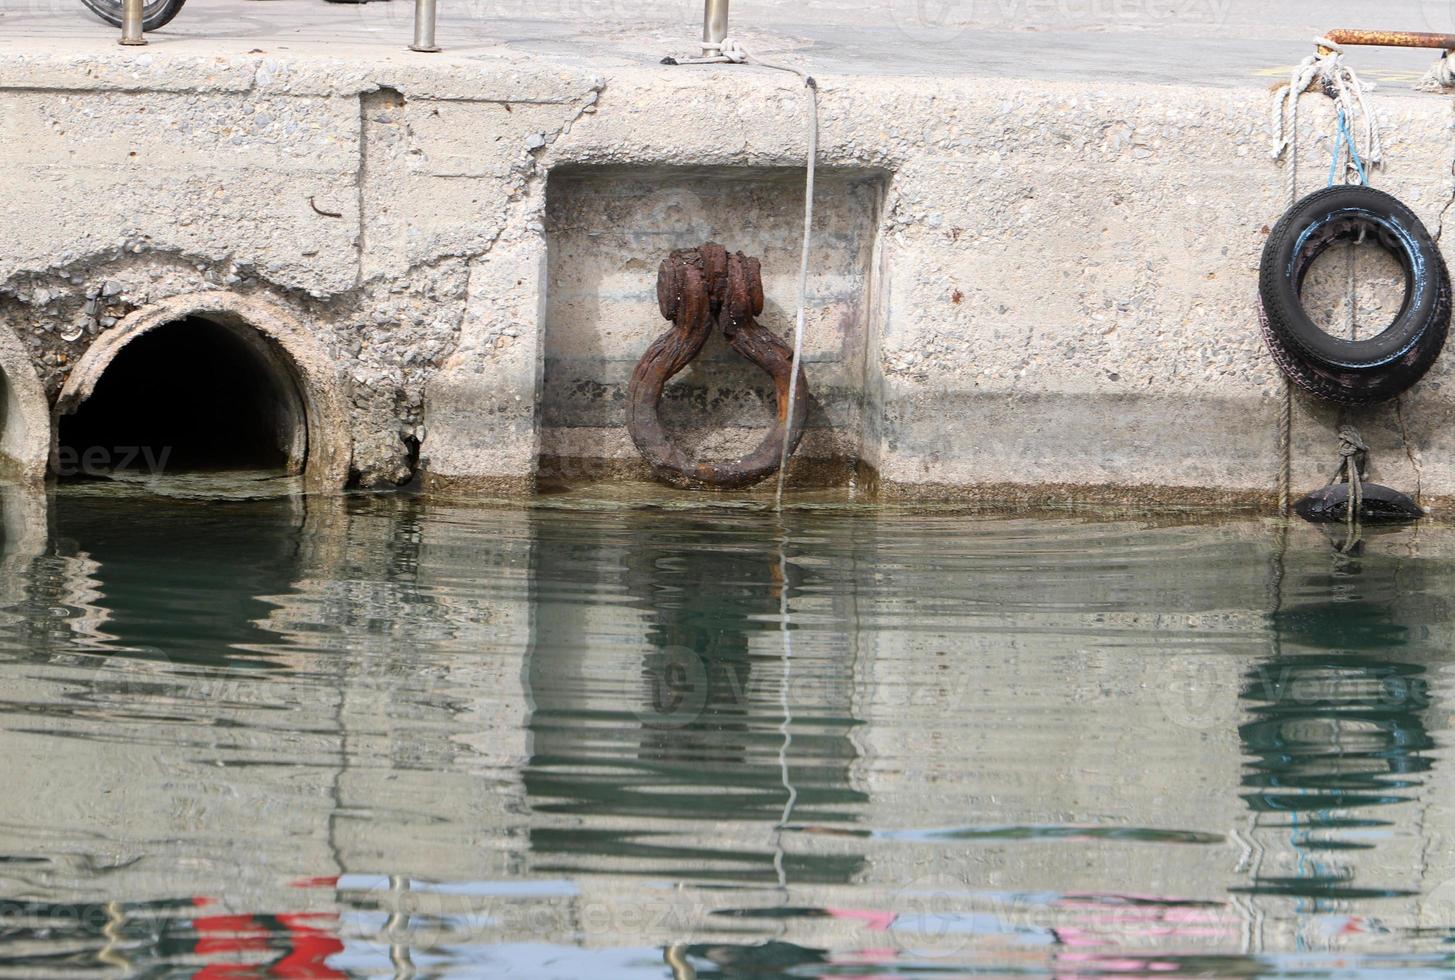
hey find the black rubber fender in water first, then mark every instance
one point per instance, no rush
(1353, 372)
(154, 13)
(1378, 505)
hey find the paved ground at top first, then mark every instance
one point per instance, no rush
(1218, 42)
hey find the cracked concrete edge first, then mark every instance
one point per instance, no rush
(522, 207)
(313, 371)
(307, 70)
(489, 434)
(506, 295)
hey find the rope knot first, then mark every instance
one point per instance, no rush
(1440, 76)
(729, 49)
(1351, 443)
(1353, 465)
(1327, 72)
(1353, 457)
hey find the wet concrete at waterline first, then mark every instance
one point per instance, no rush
(374, 736)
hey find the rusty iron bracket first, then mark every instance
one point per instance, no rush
(699, 290)
(1387, 39)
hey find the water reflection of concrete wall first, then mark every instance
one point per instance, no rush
(433, 718)
(1100, 744)
(1041, 726)
(24, 522)
(1152, 663)
(657, 688)
(317, 721)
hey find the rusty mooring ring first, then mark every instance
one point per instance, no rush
(699, 289)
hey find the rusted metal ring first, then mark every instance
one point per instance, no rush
(699, 289)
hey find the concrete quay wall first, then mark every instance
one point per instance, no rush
(1022, 290)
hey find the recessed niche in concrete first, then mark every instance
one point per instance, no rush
(610, 228)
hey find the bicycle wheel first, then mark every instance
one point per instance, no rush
(154, 13)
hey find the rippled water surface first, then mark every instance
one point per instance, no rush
(373, 736)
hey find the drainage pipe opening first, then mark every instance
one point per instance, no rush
(192, 395)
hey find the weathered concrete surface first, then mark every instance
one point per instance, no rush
(1052, 283)
(287, 183)
(24, 415)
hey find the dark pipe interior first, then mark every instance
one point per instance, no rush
(189, 396)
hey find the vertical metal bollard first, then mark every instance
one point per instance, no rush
(424, 21)
(714, 26)
(131, 22)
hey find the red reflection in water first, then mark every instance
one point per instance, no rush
(301, 944)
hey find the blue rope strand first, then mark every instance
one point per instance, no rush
(1344, 138)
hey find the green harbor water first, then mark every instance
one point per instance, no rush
(383, 736)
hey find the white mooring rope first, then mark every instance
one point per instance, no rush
(1344, 87)
(1348, 92)
(1351, 450)
(1440, 77)
(730, 52)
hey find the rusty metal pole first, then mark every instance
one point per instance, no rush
(1391, 39)
(714, 26)
(131, 22)
(425, 15)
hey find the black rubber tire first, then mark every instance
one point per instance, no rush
(154, 13)
(1353, 372)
